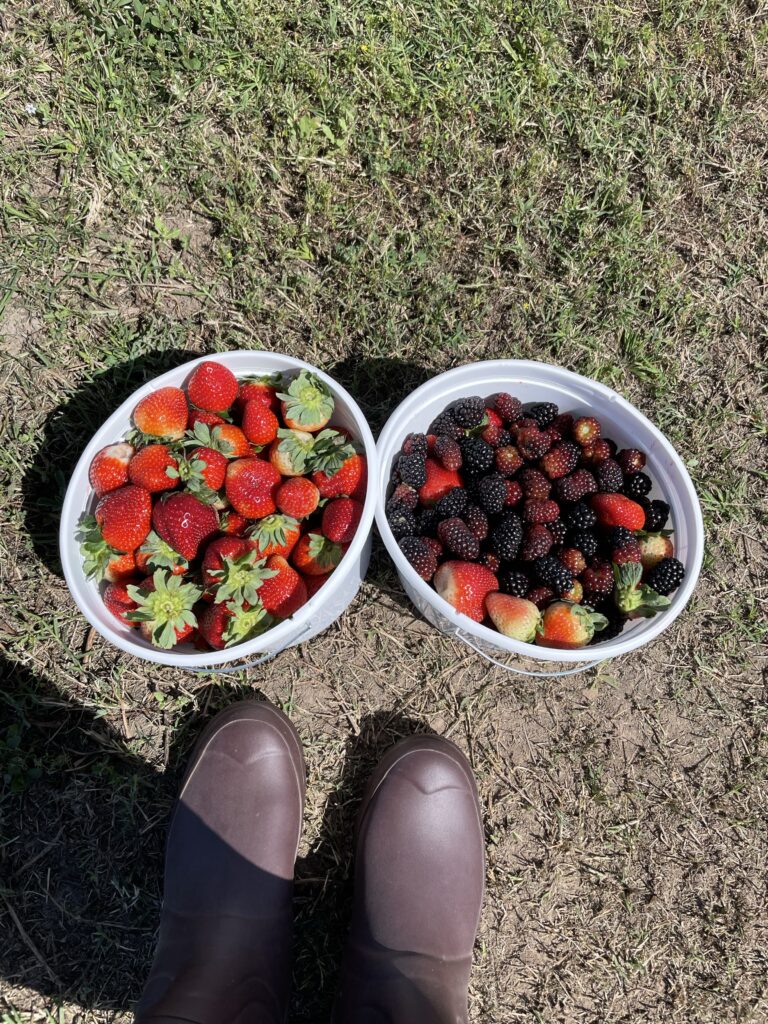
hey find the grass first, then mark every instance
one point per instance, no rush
(388, 190)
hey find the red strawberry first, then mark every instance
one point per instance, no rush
(465, 585)
(224, 623)
(257, 389)
(119, 601)
(212, 386)
(439, 482)
(125, 517)
(163, 413)
(155, 553)
(513, 616)
(164, 608)
(313, 584)
(251, 486)
(240, 577)
(259, 423)
(341, 518)
(285, 592)
(307, 404)
(109, 469)
(185, 522)
(567, 626)
(100, 560)
(227, 434)
(291, 451)
(207, 466)
(348, 481)
(653, 548)
(274, 535)
(298, 497)
(209, 419)
(315, 555)
(149, 468)
(617, 510)
(232, 523)
(217, 551)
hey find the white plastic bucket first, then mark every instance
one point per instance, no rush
(316, 615)
(622, 422)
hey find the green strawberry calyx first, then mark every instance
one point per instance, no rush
(97, 554)
(330, 451)
(190, 472)
(246, 622)
(239, 578)
(201, 436)
(166, 609)
(274, 380)
(297, 446)
(323, 552)
(639, 601)
(307, 400)
(273, 529)
(160, 554)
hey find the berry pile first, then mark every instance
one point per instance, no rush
(225, 509)
(532, 521)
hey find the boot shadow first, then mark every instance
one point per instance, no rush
(324, 877)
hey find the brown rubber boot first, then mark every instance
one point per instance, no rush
(418, 890)
(223, 953)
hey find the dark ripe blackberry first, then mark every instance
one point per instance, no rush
(490, 561)
(513, 582)
(620, 537)
(541, 597)
(452, 504)
(575, 487)
(580, 517)
(503, 439)
(559, 531)
(509, 408)
(492, 493)
(412, 470)
(405, 495)
(553, 574)
(457, 537)
(656, 516)
(543, 412)
(616, 622)
(609, 477)
(419, 555)
(586, 542)
(506, 537)
(469, 412)
(427, 520)
(637, 485)
(416, 444)
(477, 456)
(445, 425)
(537, 541)
(666, 576)
(477, 521)
(402, 522)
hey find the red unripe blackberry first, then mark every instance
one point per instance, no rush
(535, 485)
(630, 552)
(514, 494)
(631, 460)
(597, 578)
(560, 460)
(447, 452)
(477, 521)
(563, 424)
(541, 597)
(415, 444)
(586, 430)
(406, 496)
(575, 486)
(540, 511)
(532, 443)
(598, 452)
(459, 539)
(509, 408)
(573, 560)
(434, 546)
(508, 460)
(490, 561)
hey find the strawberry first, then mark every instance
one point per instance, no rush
(586, 430)
(307, 404)
(224, 623)
(164, 611)
(291, 451)
(100, 560)
(215, 553)
(151, 468)
(109, 469)
(203, 471)
(285, 591)
(230, 441)
(350, 480)
(155, 553)
(465, 585)
(439, 482)
(513, 616)
(251, 486)
(315, 555)
(274, 535)
(184, 522)
(240, 578)
(653, 548)
(259, 423)
(298, 497)
(567, 626)
(313, 584)
(118, 601)
(212, 386)
(232, 523)
(616, 510)
(341, 518)
(125, 517)
(163, 413)
(258, 389)
(634, 599)
(208, 419)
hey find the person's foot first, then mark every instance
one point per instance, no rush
(418, 890)
(223, 954)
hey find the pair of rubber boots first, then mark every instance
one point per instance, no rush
(224, 949)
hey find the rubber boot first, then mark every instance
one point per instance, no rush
(419, 879)
(223, 953)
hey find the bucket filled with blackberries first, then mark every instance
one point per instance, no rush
(534, 512)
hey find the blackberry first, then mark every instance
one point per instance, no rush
(509, 408)
(543, 412)
(448, 453)
(458, 538)
(419, 555)
(553, 574)
(576, 486)
(586, 542)
(666, 576)
(503, 439)
(490, 561)
(541, 597)
(412, 470)
(537, 542)
(402, 522)
(609, 477)
(469, 412)
(513, 582)
(532, 443)
(506, 537)
(416, 444)
(620, 537)
(445, 425)
(477, 456)
(452, 504)
(476, 520)
(581, 517)
(427, 520)
(492, 493)
(631, 460)
(559, 530)
(534, 484)
(637, 485)
(405, 495)
(656, 516)
(616, 622)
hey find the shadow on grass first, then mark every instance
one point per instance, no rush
(83, 830)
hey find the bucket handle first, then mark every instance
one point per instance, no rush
(461, 635)
(240, 667)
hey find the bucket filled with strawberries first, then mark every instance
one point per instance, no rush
(214, 504)
(533, 511)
